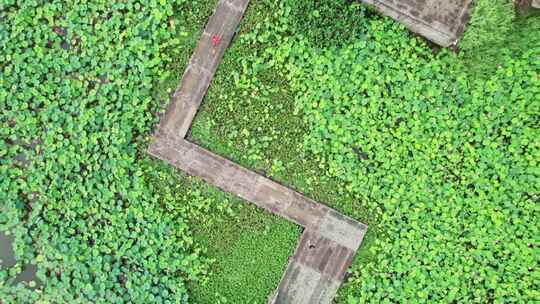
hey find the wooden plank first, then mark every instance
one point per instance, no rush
(342, 229)
(230, 177)
(314, 272)
(203, 64)
(441, 21)
(327, 256)
(304, 285)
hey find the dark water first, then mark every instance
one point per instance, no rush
(7, 259)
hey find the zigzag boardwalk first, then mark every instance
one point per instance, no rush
(330, 240)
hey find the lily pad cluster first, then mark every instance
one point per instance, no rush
(78, 99)
(448, 161)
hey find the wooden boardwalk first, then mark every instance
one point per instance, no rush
(330, 240)
(441, 21)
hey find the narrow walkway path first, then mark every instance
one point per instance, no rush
(202, 66)
(329, 241)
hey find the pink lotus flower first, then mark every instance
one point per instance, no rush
(216, 40)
